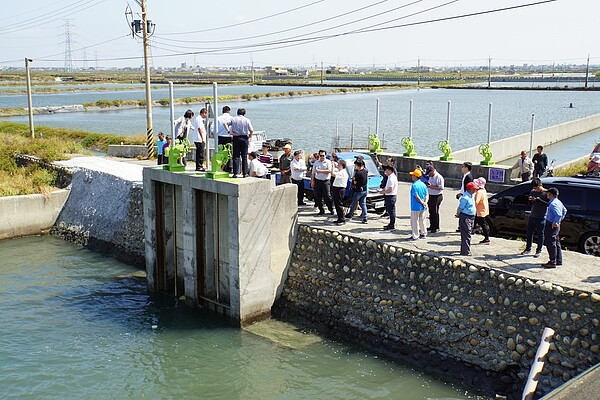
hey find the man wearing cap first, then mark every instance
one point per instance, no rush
(556, 213)
(321, 183)
(418, 204)
(435, 188)
(285, 162)
(482, 209)
(466, 217)
(390, 192)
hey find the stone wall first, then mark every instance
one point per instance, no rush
(476, 324)
(104, 213)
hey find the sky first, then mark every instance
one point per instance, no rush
(299, 33)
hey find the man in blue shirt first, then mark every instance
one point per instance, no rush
(556, 213)
(418, 204)
(466, 217)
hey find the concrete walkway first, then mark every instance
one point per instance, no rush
(578, 272)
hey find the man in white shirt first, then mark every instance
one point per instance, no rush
(321, 183)
(224, 132)
(198, 137)
(390, 193)
(256, 168)
(298, 170)
(242, 130)
(435, 188)
(339, 190)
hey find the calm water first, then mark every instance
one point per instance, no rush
(311, 121)
(76, 325)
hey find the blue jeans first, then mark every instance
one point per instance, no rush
(535, 225)
(359, 198)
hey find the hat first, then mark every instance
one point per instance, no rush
(417, 172)
(287, 146)
(596, 159)
(472, 185)
(480, 181)
(429, 168)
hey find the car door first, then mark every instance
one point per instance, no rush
(509, 211)
(573, 199)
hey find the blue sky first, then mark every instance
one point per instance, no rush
(302, 33)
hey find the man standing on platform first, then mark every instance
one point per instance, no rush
(298, 167)
(540, 162)
(224, 132)
(242, 130)
(435, 188)
(321, 183)
(390, 194)
(467, 178)
(536, 221)
(466, 218)
(418, 204)
(285, 162)
(198, 137)
(339, 191)
(556, 213)
(525, 166)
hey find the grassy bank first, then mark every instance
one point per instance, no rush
(56, 144)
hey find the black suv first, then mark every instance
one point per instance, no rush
(579, 230)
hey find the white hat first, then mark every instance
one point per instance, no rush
(480, 182)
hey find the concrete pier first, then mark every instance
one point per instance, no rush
(223, 244)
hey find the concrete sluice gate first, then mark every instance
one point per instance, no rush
(223, 244)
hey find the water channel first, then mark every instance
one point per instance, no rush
(78, 325)
(311, 121)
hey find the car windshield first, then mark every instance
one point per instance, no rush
(369, 165)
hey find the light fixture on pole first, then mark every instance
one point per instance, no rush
(29, 102)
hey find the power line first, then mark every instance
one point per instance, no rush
(246, 22)
(281, 31)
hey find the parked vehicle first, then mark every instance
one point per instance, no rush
(580, 230)
(375, 200)
(595, 151)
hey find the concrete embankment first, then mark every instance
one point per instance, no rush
(457, 316)
(104, 209)
(30, 214)
(511, 147)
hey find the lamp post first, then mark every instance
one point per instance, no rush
(29, 102)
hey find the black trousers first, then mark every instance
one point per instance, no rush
(390, 207)
(225, 140)
(199, 154)
(552, 242)
(322, 191)
(300, 184)
(338, 201)
(240, 155)
(433, 204)
(484, 227)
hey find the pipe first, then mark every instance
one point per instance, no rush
(538, 364)
(531, 135)
(489, 138)
(410, 120)
(172, 112)
(448, 123)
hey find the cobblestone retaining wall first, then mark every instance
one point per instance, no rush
(473, 323)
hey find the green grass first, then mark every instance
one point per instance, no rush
(580, 168)
(56, 144)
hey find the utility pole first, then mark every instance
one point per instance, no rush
(321, 72)
(587, 72)
(489, 72)
(418, 71)
(29, 102)
(253, 72)
(149, 130)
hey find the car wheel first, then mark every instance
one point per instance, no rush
(590, 244)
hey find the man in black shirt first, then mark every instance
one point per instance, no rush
(535, 223)
(540, 162)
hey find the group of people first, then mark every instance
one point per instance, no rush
(187, 128)
(532, 167)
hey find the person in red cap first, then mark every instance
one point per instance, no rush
(466, 218)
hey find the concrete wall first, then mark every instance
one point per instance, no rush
(511, 147)
(476, 324)
(29, 214)
(241, 244)
(104, 213)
